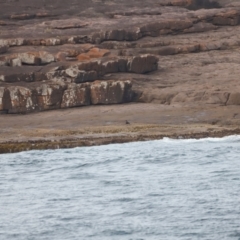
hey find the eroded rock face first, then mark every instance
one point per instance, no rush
(111, 92)
(49, 96)
(23, 100)
(76, 95)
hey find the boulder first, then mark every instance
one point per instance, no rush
(111, 92)
(76, 95)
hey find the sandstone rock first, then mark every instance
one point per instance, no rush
(45, 57)
(61, 56)
(3, 49)
(5, 101)
(13, 42)
(17, 77)
(234, 99)
(189, 96)
(208, 4)
(111, 92)
(181, 3)
(49, 96)
(65, 24)
(43, 15)
(3, 61)
(23, 100)
(93, 53)
(76, 95)
(200, 27)
(29, 58)
(110, 66)
(165, 26)
(36, 58)
(22, 16)
(231, 17)
(81, 76)
(55, 73)
(2, 23)
(160, 98)
(52, 42)
(168, 50)
(142, 64)
(15, 62)
(216, 97)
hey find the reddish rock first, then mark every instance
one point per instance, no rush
(93, 53)
(111, 92)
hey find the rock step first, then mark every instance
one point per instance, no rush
(47, 96)
(188, 97)
(137, 27)
(80, 71)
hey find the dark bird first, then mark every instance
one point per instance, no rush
(127, 122)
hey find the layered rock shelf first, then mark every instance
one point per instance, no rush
(110, 52)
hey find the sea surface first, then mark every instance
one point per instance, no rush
(164, 189)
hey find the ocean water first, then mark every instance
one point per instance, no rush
(164, 189)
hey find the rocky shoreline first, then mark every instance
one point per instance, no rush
(170, 55)
(12, 147)
(96, 125)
